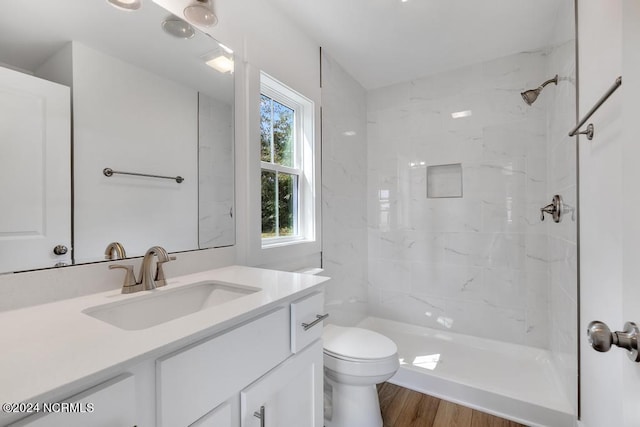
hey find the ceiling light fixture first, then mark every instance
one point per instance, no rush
(128, 5)
(201, 13)
(178, 28)
(221, 63)
(220, 59)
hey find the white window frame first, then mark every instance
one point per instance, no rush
(304, 160)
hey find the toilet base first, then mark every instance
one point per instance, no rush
(352, 405)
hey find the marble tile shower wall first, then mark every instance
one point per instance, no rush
(562, 237)
(344, 189)
(476, 264)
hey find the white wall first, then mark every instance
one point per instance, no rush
(216, 174)
(344, 193)
(134, 134)
(138, 133)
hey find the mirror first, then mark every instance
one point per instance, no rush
(134, 92)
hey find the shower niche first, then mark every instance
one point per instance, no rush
(444, 181)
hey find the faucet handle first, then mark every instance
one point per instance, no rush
(161, 279)
(130, 283)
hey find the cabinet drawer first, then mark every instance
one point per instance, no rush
(306, 322)
(192, 382)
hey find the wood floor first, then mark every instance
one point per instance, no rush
(407, 408)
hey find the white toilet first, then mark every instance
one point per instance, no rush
(355, 360)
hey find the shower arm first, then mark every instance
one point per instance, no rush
(553, 80)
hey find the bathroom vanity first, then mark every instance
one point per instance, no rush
(248, 360)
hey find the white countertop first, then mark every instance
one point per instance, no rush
(46, 347)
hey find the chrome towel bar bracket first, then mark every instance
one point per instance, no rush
(110, 172)
(590, 130)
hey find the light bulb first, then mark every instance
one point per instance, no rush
(128, 5)
(178, 28)
(201, 14)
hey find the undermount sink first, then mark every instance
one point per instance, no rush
(153, 308)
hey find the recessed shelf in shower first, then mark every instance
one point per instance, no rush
(444, 181)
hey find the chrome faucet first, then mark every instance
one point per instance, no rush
(147, 277)
(148, 280)
(115, 250)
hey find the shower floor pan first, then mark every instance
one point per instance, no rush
(511, 381)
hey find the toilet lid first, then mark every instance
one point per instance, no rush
(357, 343)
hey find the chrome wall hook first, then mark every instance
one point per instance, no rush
(555, 209)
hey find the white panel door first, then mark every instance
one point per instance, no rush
(600, 232)
(35, 129)
(631, 201)
(610, 177)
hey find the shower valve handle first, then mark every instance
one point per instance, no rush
(555, 209)
(550, 209)
(602, 339)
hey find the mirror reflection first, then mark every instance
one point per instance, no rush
(86, 87)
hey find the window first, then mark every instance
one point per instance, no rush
(280, 171)
(286, 120)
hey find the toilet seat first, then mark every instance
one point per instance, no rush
(357, 344)
(355, 359)
(361, 368)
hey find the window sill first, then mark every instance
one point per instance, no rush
(278, 243)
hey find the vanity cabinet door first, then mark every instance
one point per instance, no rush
(110, 404)
(291, 394)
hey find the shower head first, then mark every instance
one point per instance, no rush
(531, 95)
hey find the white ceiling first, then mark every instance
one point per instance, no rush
(382, 42)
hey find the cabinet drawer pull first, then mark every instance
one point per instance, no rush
(260, 415)
(319, 318)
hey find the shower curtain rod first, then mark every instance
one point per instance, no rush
(601, 101)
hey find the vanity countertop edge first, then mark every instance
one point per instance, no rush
(55, 346)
